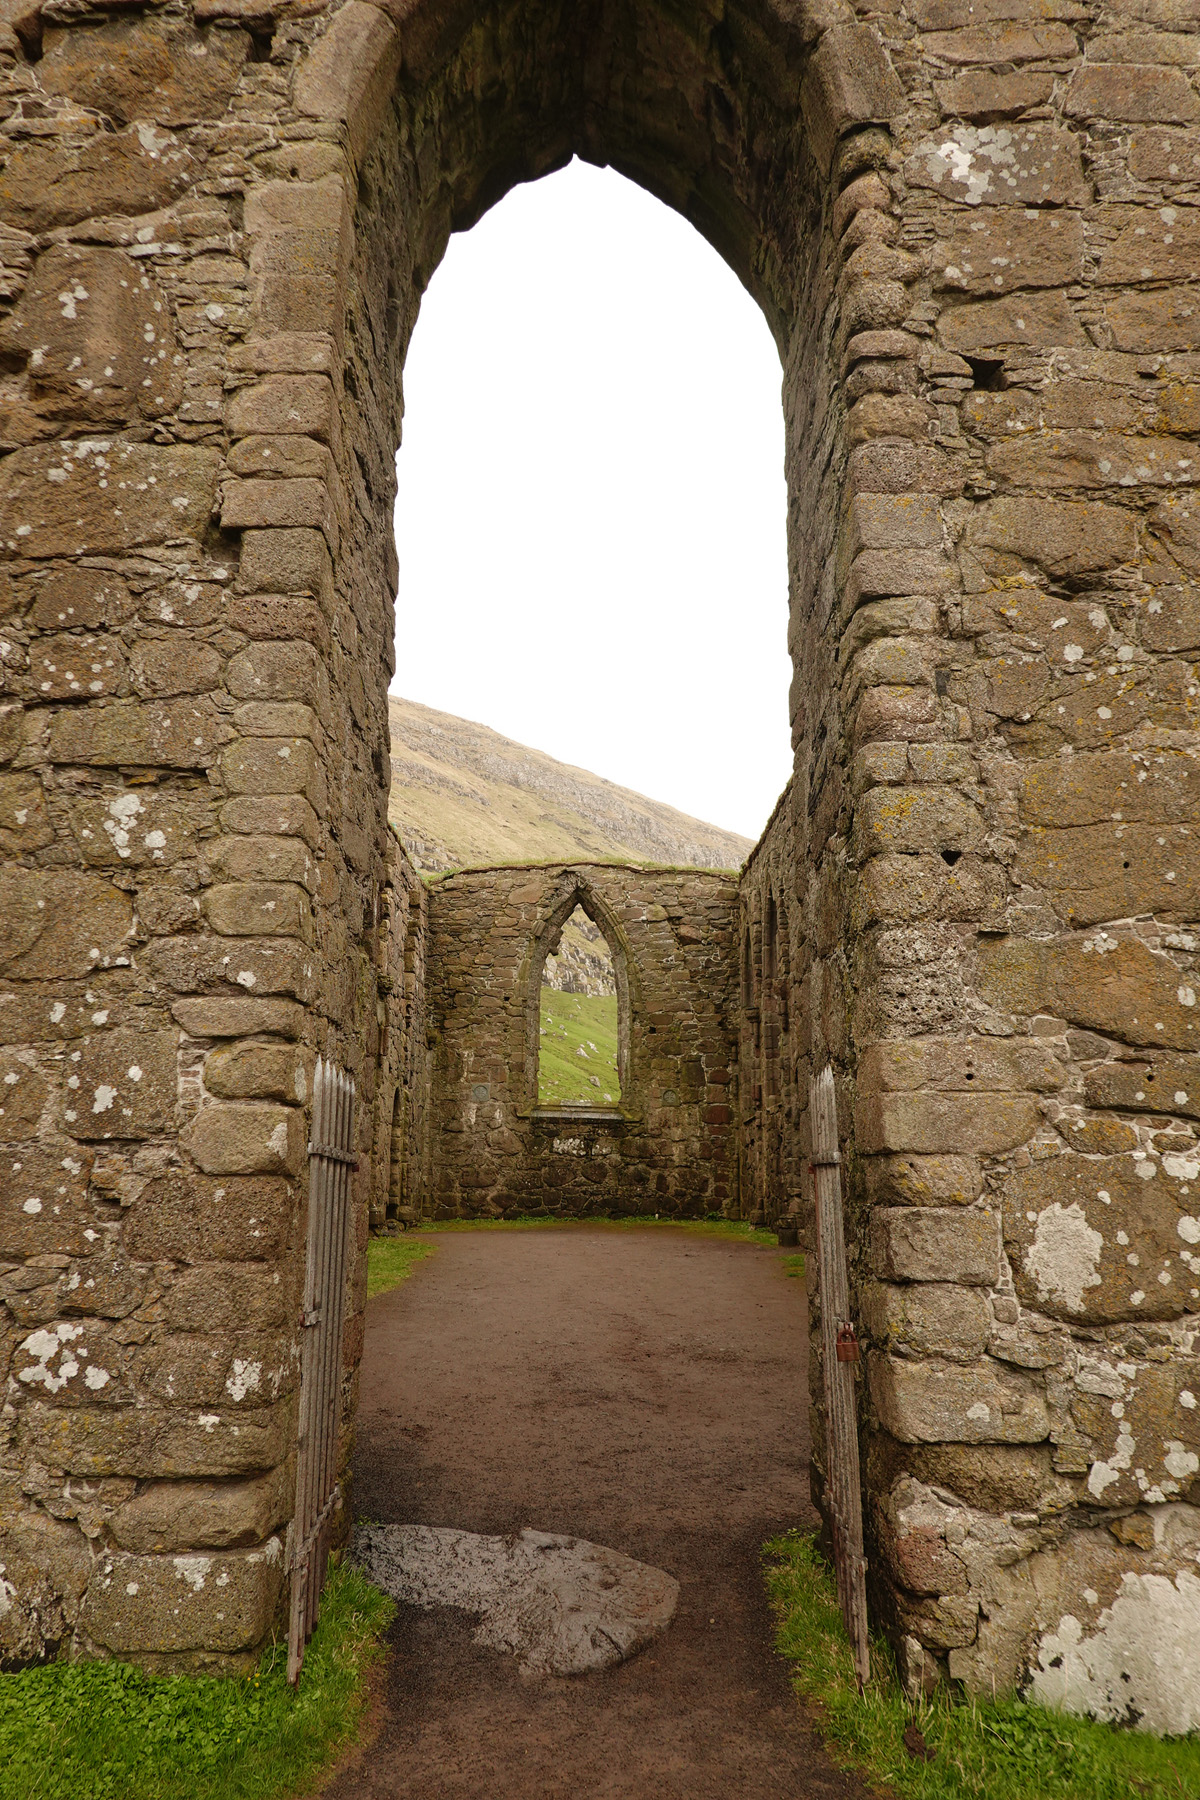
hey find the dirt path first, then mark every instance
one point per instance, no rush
(646, 1390)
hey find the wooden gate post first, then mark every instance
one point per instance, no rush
(331, 1160)
(840, 1353)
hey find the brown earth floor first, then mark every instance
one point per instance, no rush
(645, 1390)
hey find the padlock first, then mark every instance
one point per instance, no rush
(847, 1344)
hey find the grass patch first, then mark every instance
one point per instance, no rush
(391, 1260)
(577, 1050)
(714, 1226)
(1002, 1750)
(105, 1731)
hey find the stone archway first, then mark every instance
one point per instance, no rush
(974, 243)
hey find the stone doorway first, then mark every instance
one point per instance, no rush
(215, 242)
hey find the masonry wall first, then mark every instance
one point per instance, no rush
(975, 240)
(670, 1147)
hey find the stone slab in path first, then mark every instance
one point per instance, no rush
(562, 1606)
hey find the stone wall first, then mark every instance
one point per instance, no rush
(975, 240)
(670, 1145)
(400, 1137)
(774, 1037)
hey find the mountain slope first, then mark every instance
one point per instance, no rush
(463, 796)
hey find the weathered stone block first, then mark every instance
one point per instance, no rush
(1141, 1427)
(73, 666)
(1165, 155)
(285, 404)
(93, 496)
(999, 250)
(275, 766)
(239, 1370)
(1162, 1084)
(1138, 93)
(264, 859)
(849, 82)
(229, 1015)
(884, 572)
(139, 828)
(43, 1200)
(272, 502)
(96, 333)
(1002, 165)
(23, 1096)
(246, 1139)
(55, 924)
(123, 1085)
(1166, 319)
(259, 909)
(1065, 537)
(148, 1441)
(156, 1604)
(180, 734)
(43, 186)
(188, 1218)
(1040, 321)
(892, 521)
(175, 666)
(940, 1124)
(281, 815)
(964, 1065)
(924, 1243)
(287, 562)
(279, 671)
(144, 69)
(191, 1515)
(908, 1180)
(1116, 986)
(46, 1565)
(932, 1403)
(916, 818)
(981, 94)
(259, 1072)
(1095, 1239)
(224, 1297)
(927, 1319)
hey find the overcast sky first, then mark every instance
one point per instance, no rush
(591, 516)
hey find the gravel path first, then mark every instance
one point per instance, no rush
(642, 1389)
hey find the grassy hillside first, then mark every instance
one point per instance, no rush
(578, 1061)
(464, 797)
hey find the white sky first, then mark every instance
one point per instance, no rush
(591, 515)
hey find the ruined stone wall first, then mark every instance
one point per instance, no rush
(775, 1034)
(670, 1146)
(973, 231)
(400, 1137)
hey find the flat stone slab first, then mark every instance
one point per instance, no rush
(559, 1604)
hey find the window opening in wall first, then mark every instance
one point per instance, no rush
(578, 1024)
(395, 1199)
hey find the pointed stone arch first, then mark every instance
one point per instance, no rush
(575, 889)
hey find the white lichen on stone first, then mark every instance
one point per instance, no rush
(1064, 1255)
(1139, 1666)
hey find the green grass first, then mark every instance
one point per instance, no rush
(572, 1024)
(1003, 1750)
(391, 1260)
(105, 1731)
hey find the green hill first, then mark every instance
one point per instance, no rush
(463, 796)
(577, 1065)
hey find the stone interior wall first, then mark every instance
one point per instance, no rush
(400, 1136)
(670, 1147)
(775, 1036)
(973, 229)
